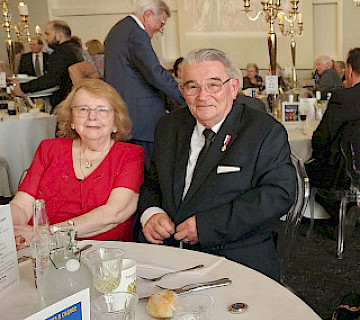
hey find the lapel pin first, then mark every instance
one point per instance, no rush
(226, 142)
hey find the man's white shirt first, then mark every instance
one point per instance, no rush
(197, 142)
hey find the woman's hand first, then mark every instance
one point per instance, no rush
(23, 236)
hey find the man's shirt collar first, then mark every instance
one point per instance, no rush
(137, 21)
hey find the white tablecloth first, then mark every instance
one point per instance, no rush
(266, 298)
(19, 140)
(299, 139)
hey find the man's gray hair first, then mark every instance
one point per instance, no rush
(157, 6)
(326, 60)
(201, 55)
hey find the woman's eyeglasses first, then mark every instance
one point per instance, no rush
(84, 111)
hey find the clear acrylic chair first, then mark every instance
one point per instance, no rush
(296, 212)
(346, 186)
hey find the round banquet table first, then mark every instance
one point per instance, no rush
(20, 136)
(299, 139)
(266, 298)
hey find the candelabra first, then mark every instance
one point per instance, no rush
(271, 10)
(291, 18)
(21, 30)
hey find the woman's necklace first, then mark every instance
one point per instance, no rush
(88, 164)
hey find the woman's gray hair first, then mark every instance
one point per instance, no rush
(157, 6)
(209, 54)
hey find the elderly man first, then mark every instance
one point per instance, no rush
(34, 63)
(133, 69)
(329, 78)
(222, 172)
(57, 35)
(344, 106)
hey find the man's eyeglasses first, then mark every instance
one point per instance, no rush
(211, 86)
(161, 20)
(83, 111)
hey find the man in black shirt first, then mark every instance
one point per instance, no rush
(57, 35)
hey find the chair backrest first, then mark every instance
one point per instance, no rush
(82, 70)
(350, 149)
(251, 102)
(302, 193)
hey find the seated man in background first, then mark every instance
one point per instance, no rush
(57, 35)
(329, 79)
(221, 173)
(34, 63)
(344, 106)
(339, 66)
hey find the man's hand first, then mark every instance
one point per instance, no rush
(158, 228)
(16, 90)
(187, 231)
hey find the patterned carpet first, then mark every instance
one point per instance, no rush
(311, 269)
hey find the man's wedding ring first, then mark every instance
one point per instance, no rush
(26, 244)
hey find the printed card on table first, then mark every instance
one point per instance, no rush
(75, 307)
(9, 270)
(290, 112)
(271, 84)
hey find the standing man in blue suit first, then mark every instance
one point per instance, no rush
(133, 69)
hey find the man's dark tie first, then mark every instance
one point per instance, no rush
(209, 138)
(37, 66)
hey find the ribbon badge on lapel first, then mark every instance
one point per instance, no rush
(226, 142)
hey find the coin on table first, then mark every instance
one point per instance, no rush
(238, 307)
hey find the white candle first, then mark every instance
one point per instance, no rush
(300, 18)
(37, 30)
(23, 9)
(281, 18)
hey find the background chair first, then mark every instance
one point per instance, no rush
(346, 185)
(82, 70)
(4, 178)
(297, 210)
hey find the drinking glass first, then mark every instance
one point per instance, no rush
(106, 265)
(114, 306)
(193, 307)
(303, 116)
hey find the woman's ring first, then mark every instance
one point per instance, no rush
(26, 244)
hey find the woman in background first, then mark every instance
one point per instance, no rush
(96, 51)
(252, 79)
(176, 71)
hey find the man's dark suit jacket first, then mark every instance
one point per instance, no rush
(344, 106)
(27, 66)
(234, 211)
(64, 55)
(133, 69)
(329, 80)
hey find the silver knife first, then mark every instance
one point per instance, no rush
(198, 287)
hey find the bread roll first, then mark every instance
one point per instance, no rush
(159, 304)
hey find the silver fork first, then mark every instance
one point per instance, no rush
(199, 286)
(172, 272)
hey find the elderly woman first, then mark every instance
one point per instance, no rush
(252, 79)
(88, 178)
